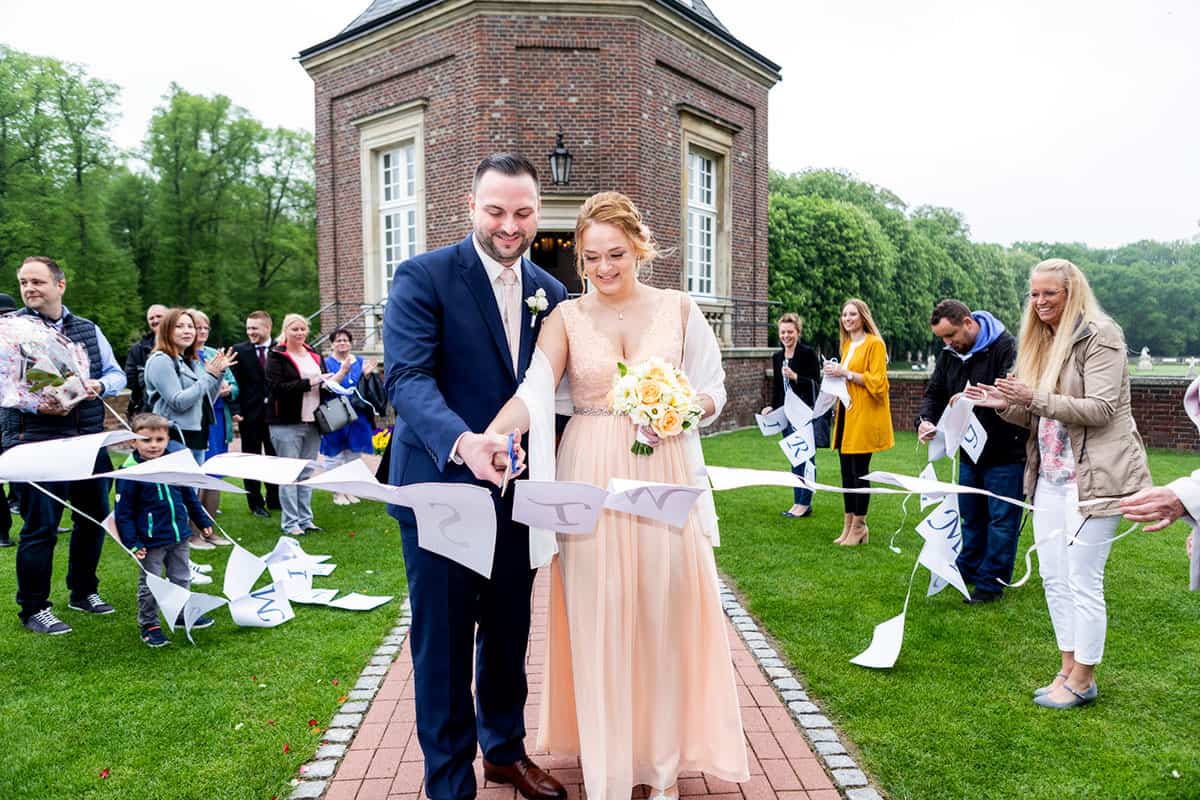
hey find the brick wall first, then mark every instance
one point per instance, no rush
(1157, 408)
(507, 82)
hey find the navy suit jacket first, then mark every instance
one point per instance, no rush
(446, 359)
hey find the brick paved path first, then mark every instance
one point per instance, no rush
(384, 759)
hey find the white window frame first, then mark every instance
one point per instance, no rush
(396, 133)
(701, 223)
(706, 209)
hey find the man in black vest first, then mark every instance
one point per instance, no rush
(42, 287)
(979, 350)
(251, 415)
(135, 361)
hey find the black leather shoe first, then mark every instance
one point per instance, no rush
(260, 512)
(978, 598)
(533, 782)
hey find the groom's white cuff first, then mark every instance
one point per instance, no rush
(454, 456)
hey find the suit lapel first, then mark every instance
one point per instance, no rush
(529, 286)
(476, 279)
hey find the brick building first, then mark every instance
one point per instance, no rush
(654, 98)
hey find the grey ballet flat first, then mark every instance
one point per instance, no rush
(1081, 698)
(1049, 687)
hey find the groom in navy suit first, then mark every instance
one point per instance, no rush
(458, 337)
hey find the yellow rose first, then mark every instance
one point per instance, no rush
(649, 392)
(669, 424)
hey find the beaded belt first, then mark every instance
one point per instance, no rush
(592, 412)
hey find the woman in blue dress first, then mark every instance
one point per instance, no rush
(350, 442)
(220, 432)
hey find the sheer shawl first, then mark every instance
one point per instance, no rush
(702, 365)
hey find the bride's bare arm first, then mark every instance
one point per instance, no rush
(552, 341)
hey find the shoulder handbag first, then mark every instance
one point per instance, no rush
(334, 414)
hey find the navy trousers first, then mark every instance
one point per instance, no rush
(457, 614)
(990, 527)
(39, 535)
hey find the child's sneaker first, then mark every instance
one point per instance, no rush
(152, 635)
(201, 622)
(197, 577)
(205, 568)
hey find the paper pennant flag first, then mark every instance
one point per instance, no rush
(560, 506)
(885, 645)
(661, 502)
(265, 608)
(197, 605)
(69, 459)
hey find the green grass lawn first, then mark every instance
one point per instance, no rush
(209, 721)
(954, 718)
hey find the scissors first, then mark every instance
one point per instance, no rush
(512, 459)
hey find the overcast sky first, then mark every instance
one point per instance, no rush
(1065, 120)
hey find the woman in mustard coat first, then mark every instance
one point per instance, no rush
(866, 426)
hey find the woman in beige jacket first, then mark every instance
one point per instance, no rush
(1084, 454)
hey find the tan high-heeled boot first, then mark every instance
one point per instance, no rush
(859, 532)
(845, 530)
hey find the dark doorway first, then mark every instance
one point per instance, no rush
(554, 251)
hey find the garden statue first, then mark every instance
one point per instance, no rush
(1145, 363)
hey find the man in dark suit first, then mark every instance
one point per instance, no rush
(251, 414)
(458, 337)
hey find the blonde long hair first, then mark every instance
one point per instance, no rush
(868, 321)
(1040, 354)
(288, 320)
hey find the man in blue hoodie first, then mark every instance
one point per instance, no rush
(979, 350)
(152, 521)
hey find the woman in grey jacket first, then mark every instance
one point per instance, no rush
(182, 389)
(1083, 455)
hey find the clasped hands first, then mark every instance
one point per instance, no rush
(486, 455)
(1006, 392)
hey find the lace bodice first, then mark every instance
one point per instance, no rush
(592, 356)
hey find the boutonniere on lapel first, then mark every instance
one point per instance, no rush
(537, 303)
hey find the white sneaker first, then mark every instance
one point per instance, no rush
(205, 568)
(353, 499)
(340, 499)
(198, 577)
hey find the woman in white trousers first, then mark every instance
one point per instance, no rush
(1084, 454)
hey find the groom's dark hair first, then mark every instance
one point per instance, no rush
(506, 164)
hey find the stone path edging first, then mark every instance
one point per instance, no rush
(314, 776)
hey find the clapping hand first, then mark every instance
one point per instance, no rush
(986, 396)
(223, 360)
(1015, 391)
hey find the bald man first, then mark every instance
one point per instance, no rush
(135, 361)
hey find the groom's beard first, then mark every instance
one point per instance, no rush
(489, 247)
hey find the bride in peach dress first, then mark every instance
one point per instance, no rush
(639, 680)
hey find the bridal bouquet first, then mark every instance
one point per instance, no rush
(657, 397)
(38, 362)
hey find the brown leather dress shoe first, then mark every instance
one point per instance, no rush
(533, 782)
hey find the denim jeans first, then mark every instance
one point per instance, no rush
(39, 535)
(296, 441)
(990, 527)
(801, 497)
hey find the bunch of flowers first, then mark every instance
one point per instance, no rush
(658, 397)
(381, 438)
(37, 363)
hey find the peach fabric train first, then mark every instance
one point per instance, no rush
(639, 680)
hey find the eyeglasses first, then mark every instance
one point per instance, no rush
(1035, 296)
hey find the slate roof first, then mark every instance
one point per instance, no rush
(381, 12)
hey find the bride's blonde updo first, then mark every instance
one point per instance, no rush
(614, 208)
